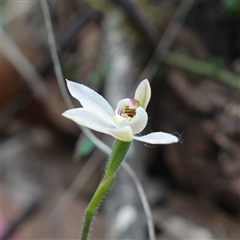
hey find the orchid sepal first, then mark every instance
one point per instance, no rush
(143, 93)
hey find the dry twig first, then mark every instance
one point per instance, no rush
(165, 42)
(201, 68)
(24, 67)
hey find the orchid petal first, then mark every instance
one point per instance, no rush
(124, 133)
(139, 121)
(143, 93)
(88, 119)
(158, 138)
(91, 100)
(123, 102)
(95, 122)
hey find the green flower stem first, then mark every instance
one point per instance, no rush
(94, 203)
(118, 153)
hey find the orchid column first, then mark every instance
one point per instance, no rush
(128, 120)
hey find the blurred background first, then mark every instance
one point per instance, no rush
(189, 51)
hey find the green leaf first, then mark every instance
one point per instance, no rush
(85, 147)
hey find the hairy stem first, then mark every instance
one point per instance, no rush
(103, 187)
(118, 153)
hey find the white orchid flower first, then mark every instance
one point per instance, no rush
(129, 119)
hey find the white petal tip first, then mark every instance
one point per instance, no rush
(67, 113)
(158, 138)
(67, 80)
